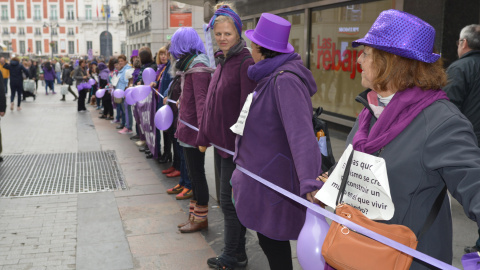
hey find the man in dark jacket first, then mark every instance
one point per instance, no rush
(3, 107)
(463, 88)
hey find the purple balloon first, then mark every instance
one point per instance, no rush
(80, 87)
(100, 93)
(164, 117)
(91, 82)
(148, 76)
(119, 93)
(141, 92)
(310, 241)
(129, 99)
(129, 89)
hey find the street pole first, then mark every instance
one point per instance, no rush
(108, 14)
(51, 38)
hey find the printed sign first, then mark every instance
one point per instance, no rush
(367, 187)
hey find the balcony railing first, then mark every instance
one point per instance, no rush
(21, 18)
(38, 33)
(70, 18)
(95, 19)
(53, 18)
(21, 33)
(37, 18)
(70, 34)
(5, 33)
(4, 18)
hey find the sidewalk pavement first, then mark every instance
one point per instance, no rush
(124, 229)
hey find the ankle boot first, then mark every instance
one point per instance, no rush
(190, 214)
(200, 220)
(166, 157)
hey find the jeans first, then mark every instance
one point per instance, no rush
(120, 112)
(196, 171)
(184, 179)
(19, 92)
(279, 253)
(234, 236)
(128, 114)
(5, 83)
(50, 83)
(59, 81)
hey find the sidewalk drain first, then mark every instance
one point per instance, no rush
(54, 174)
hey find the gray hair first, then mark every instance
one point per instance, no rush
(472, 34)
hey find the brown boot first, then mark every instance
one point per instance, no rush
(190, 214)
(199, 222)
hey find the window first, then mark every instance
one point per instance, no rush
(38, 46)
(5, 30)
(71, 47)
(89, 45)
(53, 12)
(20, 12)
(38, 31)
(37, 13)
(22, 46)
(332, 59)
(21, 31)
(70, 32)
(88, 12)
(297, 38)
(54, 31)
(70, 13)
(136, 27)
(141, 25)
(123, 47)
(4, 13)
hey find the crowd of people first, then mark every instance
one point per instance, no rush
(255, 108)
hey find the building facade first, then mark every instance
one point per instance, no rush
(60, 27)
(152, 23)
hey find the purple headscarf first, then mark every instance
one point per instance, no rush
(227, 11)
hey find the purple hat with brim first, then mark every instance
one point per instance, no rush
(402, 34)
(272, 32)
(134, 53)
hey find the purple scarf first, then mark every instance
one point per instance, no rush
(135, 74)
(396, 116)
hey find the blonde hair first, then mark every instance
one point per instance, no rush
(222, 18)
(160, 51)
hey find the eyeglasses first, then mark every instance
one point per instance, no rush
(460, 40)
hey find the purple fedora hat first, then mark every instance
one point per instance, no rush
(134, 53)
(272, 33)
(402, 34)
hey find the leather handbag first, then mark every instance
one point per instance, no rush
(344, 248)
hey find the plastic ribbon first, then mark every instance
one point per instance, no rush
(209, 45)
(359, 229)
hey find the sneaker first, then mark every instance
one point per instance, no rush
(471, 249)
(216, 263)
(175, 190)
(141, 143)
(115, 121)
(185, 194)
(136, 137)
(19, 108)
(129, 131)
(11, 106)
(54, 93)
(120, 127)
(125, 131)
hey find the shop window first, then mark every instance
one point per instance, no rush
(297, 38)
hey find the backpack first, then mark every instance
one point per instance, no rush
(319, 126)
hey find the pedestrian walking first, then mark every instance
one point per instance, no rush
(3, 108)
(68, 80)
(5, 73)
(49, 77)
(463, 88)
(80, 75)
(17, 72)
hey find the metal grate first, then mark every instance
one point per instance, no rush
(53, 174)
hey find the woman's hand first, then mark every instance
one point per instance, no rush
(311, 198)
(323, 177)
(165, 101)
(85, 77)
(153, 84)
(139, 83)
(202, 149)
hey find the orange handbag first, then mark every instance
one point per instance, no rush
(344, 248)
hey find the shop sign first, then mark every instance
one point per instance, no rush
(331, 58)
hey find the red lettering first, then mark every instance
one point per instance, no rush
(326, 59)
(333, 59)
(336, 54)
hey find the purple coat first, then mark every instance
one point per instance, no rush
(279, 145)
(49, 75)
(192, 103)
(227, 92)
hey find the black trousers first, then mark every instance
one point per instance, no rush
(176, 156)
(107, 104)
(279, 253)
(196, 171)
(82, 95)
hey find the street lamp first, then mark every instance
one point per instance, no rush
(51, 25)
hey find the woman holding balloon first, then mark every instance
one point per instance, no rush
(122, 83)
(227, 92)
(80, 75)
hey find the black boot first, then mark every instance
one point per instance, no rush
(166, 157)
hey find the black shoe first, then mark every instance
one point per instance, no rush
(165, 158)
(142, 149)
(216, 263)
(471, 249)
(1, 159)
(62, 99)
(102, 116)
(136, 137)
(149, 156)
(34, 97)
(119, 127)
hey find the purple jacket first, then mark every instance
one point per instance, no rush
(227, 92)
(192, 103)
(49, 75)
(279, 145)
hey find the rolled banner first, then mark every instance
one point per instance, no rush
(141, 92)
(164, 117)
(100, 93)
(129, 99)
(148, 76)
(119, 93)
(91, 82)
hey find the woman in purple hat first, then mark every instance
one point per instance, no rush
(427, 144)
(276, 142)
(227, 92)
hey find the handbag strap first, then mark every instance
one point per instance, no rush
(431, 216)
